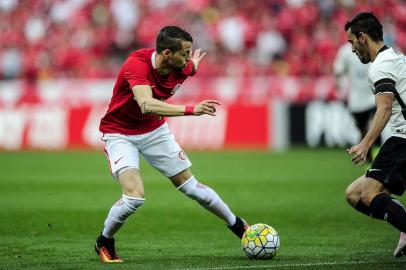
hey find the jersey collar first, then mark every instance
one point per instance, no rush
(153, 60)
(382, 49)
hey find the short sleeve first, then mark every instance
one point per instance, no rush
(137, 72)
(382, 77)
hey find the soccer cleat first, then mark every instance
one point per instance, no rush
(239, 227)
(104, 247)
(401, 248)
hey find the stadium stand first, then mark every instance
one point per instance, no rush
(89, 39)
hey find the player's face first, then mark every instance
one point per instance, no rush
(178, 60)
(359, 47)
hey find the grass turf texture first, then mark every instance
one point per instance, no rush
(53, 206)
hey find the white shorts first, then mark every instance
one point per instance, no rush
(158, 147)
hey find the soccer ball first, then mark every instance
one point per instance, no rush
(260, 241)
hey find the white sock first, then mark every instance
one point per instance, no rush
(208, 198)
(119, 213)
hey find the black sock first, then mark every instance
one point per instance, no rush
(361, 207)
(105, 240)
(387, 208)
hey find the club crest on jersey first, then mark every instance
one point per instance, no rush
(176, 88)
(182, 155)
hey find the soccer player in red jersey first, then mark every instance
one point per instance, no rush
(134, 125)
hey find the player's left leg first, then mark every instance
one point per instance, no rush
(164, 153)
(186, 183)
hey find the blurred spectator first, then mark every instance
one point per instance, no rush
(90, 38)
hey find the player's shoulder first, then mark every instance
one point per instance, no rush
(141, 57)
(387, 57)
(384, 65)
(142, 53)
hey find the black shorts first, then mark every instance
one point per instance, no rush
(389, 166)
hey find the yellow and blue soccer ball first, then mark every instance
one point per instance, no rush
(260, 241)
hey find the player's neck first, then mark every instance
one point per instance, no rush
(160, 66)
(375, 48)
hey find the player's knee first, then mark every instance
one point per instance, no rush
(370, 191)
(134, 192)
(131, 183)
(352, 195)
(199, 192)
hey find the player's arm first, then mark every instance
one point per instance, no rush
(383, 112)
(150, 105)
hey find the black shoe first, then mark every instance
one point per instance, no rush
(104, 247)
(239, 227)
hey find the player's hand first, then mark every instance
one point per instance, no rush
(196, 57)
(359, 153)
(206, 107)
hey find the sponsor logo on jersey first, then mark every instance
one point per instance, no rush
(176, 88)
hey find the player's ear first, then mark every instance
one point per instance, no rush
(362, 38)
(166, 53)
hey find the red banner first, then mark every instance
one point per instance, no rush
(41, 126)
(56, 115)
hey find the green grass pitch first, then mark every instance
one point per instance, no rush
(53, 206)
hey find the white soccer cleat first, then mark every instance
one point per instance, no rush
(401, 248)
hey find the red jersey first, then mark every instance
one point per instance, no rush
(124, 116)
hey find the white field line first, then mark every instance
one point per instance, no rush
(271, 266)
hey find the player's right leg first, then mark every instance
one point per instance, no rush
(124, 163)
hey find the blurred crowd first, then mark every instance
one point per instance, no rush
(48, 39)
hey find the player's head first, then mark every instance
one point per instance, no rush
(175, 44)
(361, 30)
